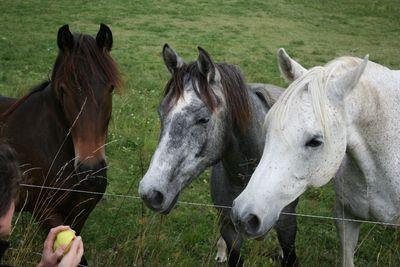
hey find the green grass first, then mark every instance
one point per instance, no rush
(121, 232)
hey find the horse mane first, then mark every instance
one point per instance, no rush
(74, 70)
(77, 68)
(14, 106)
(234, 90)
(315, 81)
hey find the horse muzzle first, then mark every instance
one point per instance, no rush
(93, 176)
(157, 200)
(249, 222)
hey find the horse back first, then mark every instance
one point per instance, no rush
(267, 93)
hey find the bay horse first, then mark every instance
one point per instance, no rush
(59, 130)
(341, 120)
(210, 117)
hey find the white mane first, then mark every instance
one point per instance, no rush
(315, 81)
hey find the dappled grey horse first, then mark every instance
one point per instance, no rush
(210, 117)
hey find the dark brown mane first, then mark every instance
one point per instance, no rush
(76, 69)
(233, 87)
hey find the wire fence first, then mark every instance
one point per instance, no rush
(322, 217)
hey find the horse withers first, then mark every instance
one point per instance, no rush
(59, 130)
(210, 117)
(341, 120)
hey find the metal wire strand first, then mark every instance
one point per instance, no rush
(212, 205)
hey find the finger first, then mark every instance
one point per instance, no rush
(48, 243)
(58, 253)
(80, 250)
(75, 244)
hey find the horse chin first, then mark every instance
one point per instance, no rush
(94, 182)
(171, 205)
(260, 236)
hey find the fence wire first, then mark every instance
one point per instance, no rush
(322, 217)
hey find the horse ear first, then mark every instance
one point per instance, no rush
(65, 39)
(290, 69)
(104, 38)
(171, 59)
(346, 82)
(207, 66)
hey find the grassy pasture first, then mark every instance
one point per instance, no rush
(121, 232)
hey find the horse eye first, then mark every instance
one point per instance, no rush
(314, 142)
(203, 120)
(112, 88)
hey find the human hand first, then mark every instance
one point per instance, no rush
(74, 255)
(50, 258)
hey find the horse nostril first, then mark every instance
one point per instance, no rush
(102, 164)
(98, 169)
(253, 223)
(157, 198)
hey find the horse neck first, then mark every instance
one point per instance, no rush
(51, 109)
(45, 101)
(374, 101)
(6, 103)
(372, 122)
(243, 149)
(38, 126)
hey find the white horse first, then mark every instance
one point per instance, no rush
(341, 120)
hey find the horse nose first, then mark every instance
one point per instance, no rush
(252, 223)
(153, 199)
(96, 169)
(248, 224)
(245, 221)
(93, 174)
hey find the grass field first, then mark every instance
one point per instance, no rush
(121, 232)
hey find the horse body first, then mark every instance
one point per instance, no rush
(209, 117)
(339, 120)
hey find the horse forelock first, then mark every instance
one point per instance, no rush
(315, 81)
(77, 68)
(234, 90)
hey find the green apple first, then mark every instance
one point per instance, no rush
(64, 238)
